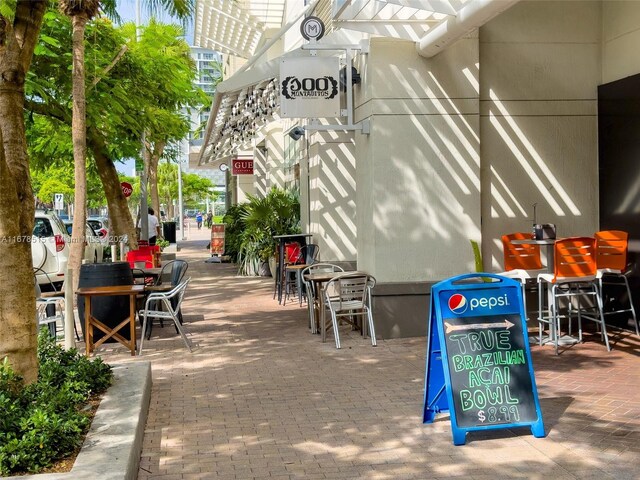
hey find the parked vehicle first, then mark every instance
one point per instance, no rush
(93, 250)
(101, 226)
(50, 246)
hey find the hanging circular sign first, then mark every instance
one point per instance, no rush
(312, 28)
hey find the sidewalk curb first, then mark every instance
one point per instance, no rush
(111, 450)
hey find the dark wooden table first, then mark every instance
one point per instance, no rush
(90, 321)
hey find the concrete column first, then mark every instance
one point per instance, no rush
(620, 39)
(332, 194)
(417, 175)
(418, 172)
(540, 65)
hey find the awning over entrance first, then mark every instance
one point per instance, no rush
(248, 100)
(236, 27)
(241, 107)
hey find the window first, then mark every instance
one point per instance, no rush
(42, 228)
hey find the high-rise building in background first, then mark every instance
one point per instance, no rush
(207, 74)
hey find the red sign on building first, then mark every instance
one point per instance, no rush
(242, 166)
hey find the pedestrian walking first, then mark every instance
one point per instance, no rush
(199, 220)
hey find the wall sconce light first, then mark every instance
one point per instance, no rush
(296, 133)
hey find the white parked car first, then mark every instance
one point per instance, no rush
(49, 248)
(92, 244)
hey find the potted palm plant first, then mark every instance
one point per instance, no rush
(278, 213)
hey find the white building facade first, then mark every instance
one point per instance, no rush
(473, 111)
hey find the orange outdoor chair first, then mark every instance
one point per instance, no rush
(521, 262)
(611, 261)
(574, 277)
(520, 257)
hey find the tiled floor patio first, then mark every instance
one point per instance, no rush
(262, 398)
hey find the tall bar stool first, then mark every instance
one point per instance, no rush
(308, 255)
(611, 260)
(521, 261)
(574, 277)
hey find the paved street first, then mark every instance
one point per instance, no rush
(260, 397)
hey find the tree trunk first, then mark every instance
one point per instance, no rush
(158, 149)
(18, 340)
(119, 214)
(79, 136)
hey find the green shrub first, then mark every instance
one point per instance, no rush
(234, 226)
(44, 421)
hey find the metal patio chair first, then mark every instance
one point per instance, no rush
(347, 297)
(292, 275)
(161, 305)
(313, 296)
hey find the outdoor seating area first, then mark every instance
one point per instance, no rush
(290, 426)
(325, 288)
(265, 208)
(152, 293)
(572, 284)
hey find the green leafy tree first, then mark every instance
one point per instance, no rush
(20, 22)
(59, 178)
(20, 25)
(278, 213)
(80, 11)
(160, 48)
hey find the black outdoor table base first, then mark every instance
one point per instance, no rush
(282, 239)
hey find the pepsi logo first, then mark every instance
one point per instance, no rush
(458, 303)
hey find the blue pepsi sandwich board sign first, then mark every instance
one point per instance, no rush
(478, 365)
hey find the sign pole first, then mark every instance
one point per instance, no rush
(144, 215)
(180, 207)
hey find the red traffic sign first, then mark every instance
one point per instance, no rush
(127, 189)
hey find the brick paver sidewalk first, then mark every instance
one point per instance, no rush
(262, 398)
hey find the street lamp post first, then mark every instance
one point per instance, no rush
(180, 207)
(144, 217)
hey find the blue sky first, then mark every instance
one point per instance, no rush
(127, 11)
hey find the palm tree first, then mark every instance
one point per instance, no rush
(20, 23)
(80, 11)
